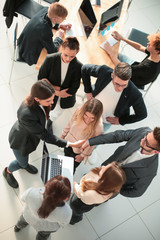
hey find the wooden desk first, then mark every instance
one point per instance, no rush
(90, 50)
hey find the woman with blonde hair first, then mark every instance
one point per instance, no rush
(45, 208)
(96, 187)
(85, 123)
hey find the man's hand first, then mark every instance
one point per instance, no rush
(63, 93)
(108, 48)
(113, 120)
(89, 96)
(117, 36)
(85, 145)
(77, 144)
(65, 26)
(60, 33)
(79, 158)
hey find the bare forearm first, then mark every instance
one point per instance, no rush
(114, 58)
(135, 45)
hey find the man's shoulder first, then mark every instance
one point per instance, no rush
(132, 89)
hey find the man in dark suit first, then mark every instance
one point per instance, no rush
(117, 93)
(37, 34)
(138, 157)
(63, 72)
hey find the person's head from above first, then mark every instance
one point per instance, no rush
(69, 49)
(42, 93)
(90, 113)
(150, 144)
(121, 76)
(153, 46)
(57, 191)
(57, 13)
(111, 179)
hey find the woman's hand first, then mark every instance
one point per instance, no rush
(77, 144)
(117, 36)
(79, 158)
(62, 136)
(108, 48)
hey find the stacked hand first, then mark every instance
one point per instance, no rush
(60, 33)
(113, 120)
(66, 26)
(77, 144)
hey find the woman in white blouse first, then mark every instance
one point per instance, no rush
(45, 208)
(96, 187)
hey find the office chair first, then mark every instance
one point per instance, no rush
(15, 57)
(29, 8)
(139, 37)
(49, 1)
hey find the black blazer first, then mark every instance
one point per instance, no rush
(37, 35)
(140, 173)
(9, 9)
(130, 97)
(27, 131)
(51, 69)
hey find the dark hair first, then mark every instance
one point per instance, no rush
(123, 71)
(42, 90)
(156, 134)
(111, 181)
(70, 42)
(57, 190)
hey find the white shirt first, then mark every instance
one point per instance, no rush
(109, 97)
(137, 155)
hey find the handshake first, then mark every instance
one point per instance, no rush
(80, 144)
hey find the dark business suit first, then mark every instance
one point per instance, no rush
(37, 35)
(27, 131)
(130, 97)
(139, 173)
(51, 69)
(9, 10)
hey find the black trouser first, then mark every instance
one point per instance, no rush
(69, 152)
(78, 208)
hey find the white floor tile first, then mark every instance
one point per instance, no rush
(107, 216)
(151, 217)
(129, 230)
(10, 206)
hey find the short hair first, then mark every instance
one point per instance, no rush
(123, 71)
(156, 134)
(57, 9)
(71, 42)
(155, 39)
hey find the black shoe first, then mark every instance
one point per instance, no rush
(72, 222)
(31, 169)
(10, 179)
(16, 229)
(49, 126)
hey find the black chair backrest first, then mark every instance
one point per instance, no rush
(51, 1)
(29, 8)
(138, 36)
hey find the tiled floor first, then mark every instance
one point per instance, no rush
(120, 218)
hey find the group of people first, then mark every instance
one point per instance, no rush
(129, 171)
